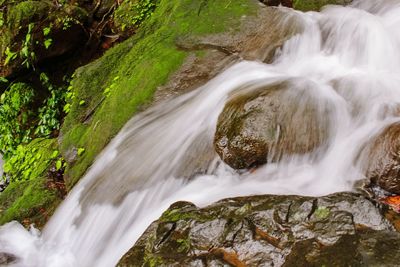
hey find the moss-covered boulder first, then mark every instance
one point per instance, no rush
(316, 5)
(342, 229)
(181, 46)
(268, 122)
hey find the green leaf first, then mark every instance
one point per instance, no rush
(82, 102)
(81, 150)
(54, 154)
(58, 164)
(46, 31)
(47, 43)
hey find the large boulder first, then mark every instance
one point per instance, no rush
(382, 159)
(265, 123)
(342, 229)
(168, 58)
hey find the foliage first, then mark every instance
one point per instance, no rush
(144, 9)
(20, 123)
(22, 162)
(14, 117)
(46, 33)
(143, 63)
(34, 200)
(9, 56)
(51, 112)
(131, 13)
(26, 52)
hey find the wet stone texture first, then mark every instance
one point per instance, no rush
(343, 229)
(383, 159)
(267, 122)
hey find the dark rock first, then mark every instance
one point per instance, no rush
(104, 7)
(342, 229)
(287, 3)
(6, 258)
(269, 121)
(382, 159)
(271, 2)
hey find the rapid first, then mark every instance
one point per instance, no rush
(348, 57)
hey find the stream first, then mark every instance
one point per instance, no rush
(347, 57)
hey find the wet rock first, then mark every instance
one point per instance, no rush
(269, 121)
(342, 229)
(6, 258)
(258, 38)
(382, 159)
(287, 3)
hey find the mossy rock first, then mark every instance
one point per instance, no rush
(269, 230)
(33, 200)
(316, 5)
(125, 79)
(27, 12)
(23, 28)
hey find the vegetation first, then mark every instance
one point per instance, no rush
(142, 64)
(102, 96)
(33, 200)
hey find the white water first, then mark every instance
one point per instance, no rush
(348, 58)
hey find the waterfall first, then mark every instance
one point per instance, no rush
(348, 57)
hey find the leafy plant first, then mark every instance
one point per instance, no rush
(50, 113)
(14, 117)
(46, 33)
(26, 52)
(144, 9)
(21, 164)
(9, 56)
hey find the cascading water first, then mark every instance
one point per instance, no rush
(347, 57)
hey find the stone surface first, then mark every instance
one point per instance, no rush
(342, 229)
(268, 122)
(258, 38)
(382, 159)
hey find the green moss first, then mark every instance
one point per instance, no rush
(142, 63)
(316, 5)
(31, 201)
(27, 11)
(5, 41)
(125, 14)
(152, 260)
(322, 213)
(175, 215)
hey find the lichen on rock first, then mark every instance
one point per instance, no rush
(271, 231)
